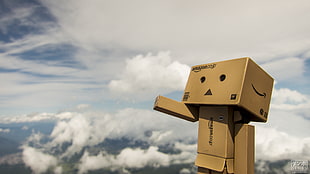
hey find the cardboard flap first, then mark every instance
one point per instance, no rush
(210, 162)
(175, 108)
(230, 165)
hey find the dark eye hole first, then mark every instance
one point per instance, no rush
(202, 79)
(222, 77)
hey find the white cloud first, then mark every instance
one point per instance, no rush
(191, 31)
(36, 93)
(35, 138)
(272, 144)
(99, 161)
(167, 127)
(11, 159)
(187, 155)
(127, 158)
(195, 33)
(25, 128)
(185, 171)
(82, 106)
(40, 42)
(38, 161)
(76, 131)
(146, 76)
(286, 99)
(285, 135)
(279, 69)
(89, 129)
(137, 158)
(58, 170)
(20, 14)
(4, 130)
(290, 112)
(158, 136)
(36, 117)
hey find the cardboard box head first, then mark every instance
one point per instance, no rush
(240, 82)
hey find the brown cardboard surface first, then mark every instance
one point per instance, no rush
(206, 78)
(256, 92)
(216, 131)
(230, 165)
(201, 170)
(244, 149)
(175, 108)
(239, 82)
(210, 162)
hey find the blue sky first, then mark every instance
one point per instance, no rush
(111, 55)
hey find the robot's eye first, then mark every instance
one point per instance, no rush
(202, 79)
(222, 77)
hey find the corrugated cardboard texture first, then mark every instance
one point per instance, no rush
(216, 131)
(210, 162)
(215, 82)
(244, 149)
(175, 108)
(207, 171)
(213, 164)
(256, 92)
(230, 165)
(239, 82)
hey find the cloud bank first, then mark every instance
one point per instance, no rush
(38, 161)
(83, 131)
(206, 29)
(137, 158)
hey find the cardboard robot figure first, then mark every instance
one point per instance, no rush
(224, 97)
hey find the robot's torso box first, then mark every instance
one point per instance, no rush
(237, 82)
(216, 131)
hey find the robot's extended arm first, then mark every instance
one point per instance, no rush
(177, 109)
